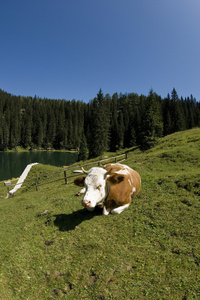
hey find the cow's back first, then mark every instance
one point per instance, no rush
(121, 193)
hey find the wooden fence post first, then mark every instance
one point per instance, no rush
(7, 183)
(36, 184)
(65, 176)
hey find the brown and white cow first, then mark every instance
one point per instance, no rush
(111, 187)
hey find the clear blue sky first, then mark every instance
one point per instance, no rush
(69, 49)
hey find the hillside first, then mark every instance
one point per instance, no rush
(51, 248)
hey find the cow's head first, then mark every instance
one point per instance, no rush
(96, 184)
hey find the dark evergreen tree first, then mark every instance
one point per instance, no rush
(167, 116)
(131, 133)
(177, 113)
(99, 135)
(120, 131)
(26, 123)
(190, 111)
(51, 127)
(83, 150)
(15, 124)
(152, 122)
(197, 114)
(70, 131)
(6, 129)
(37, 127)
(137, 124)
(1, 131)
(114, 123)
(60, 138)
(127, 109)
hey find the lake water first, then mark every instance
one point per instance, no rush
(12, 164)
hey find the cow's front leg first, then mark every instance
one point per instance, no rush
(105, 211)
(82, 191)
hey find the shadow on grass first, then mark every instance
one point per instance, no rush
(69, 222)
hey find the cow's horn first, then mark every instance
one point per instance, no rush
(107, 173)
(85, 172)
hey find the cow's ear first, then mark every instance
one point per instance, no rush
(115, 179)
(79, 181)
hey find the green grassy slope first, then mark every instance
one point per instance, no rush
(51, 248)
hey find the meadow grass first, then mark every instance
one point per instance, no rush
(52, 248)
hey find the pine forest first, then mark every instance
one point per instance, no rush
(106, 123)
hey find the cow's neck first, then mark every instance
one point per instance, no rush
(107, 191)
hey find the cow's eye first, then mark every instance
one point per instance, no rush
(99, 186)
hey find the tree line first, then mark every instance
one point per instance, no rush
(106, 123)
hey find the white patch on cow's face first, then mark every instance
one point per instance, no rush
(96, 190)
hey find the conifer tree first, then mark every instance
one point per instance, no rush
(152, 122)
(6, 130)
(26, 123)
(51, 126)
(114, 123)
(59, 142)
(167, 116)
(83, 150)
(15, 124)
(137, 124)
(120, 132)
(99, 137)
(177, 113)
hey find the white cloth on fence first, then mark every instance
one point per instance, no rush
(22, 178)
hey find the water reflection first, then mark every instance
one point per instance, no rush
(12, 164)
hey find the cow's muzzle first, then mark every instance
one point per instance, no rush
(86, 203)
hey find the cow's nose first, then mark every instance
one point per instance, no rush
(86, 203)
